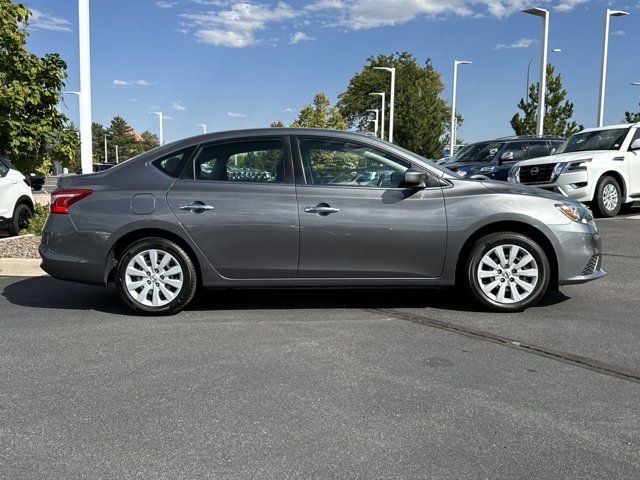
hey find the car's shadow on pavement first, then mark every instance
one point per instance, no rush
(49, 293)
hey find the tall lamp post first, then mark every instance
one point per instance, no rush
(161, 132)
(86, 150)
(542, 85)
(605, 52)
(381, 94)
(204, 127)
(555, 50)
(375, 121)
(454, 94)
(392, 100)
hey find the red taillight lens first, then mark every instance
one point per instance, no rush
(61, 200)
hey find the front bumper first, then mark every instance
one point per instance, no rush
(572, 184)
(580, 253)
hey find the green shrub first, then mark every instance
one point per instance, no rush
(36, 225)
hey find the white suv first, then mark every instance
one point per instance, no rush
(597, 165)
(16, 201)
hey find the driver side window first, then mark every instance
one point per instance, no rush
(339, 162)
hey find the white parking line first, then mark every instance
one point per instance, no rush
(634, 217)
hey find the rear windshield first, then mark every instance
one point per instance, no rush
(611, 139)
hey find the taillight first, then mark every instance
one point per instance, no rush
(61, 200)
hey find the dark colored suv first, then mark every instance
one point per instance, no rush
(493, 159)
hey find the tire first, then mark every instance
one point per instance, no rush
(20, 220)
(37, 188)
(151, 292)
(499, 289)
(608, 197)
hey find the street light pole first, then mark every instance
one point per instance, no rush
(453, 103)
(375, 121)
(86, 150)
(160, 117)
(204, 127)
(381, 94)
(117, 156)
(392, 100)
(106, 152)
(542, 86)
(605, 52)
(555, 50)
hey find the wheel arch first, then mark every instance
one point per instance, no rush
(119, 246)
(509, 226)
(619, 178)
(25, 200)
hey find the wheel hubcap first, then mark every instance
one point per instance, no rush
(507, 274)
(610, 197)
(154, 278)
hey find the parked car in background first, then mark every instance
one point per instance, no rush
(36, 179)
(494, 158)
(174, 218)
(16, 200)
(97, 167)
(600, 166)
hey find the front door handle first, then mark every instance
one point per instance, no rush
(196, 207)
(321, 209)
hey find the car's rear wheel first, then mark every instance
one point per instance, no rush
(156, 277)
(608, 198)
(21, 219)
(507, 272)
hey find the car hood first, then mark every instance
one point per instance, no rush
(519, 189)
(567, 157)
(467, 165)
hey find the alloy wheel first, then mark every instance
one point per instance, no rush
(610, 197)
(507, 274)
(154, 278)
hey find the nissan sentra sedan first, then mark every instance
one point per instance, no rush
(182, 217)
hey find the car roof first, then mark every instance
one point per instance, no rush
(521, 138)
(611, 127)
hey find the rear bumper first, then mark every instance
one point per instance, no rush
(67, 254)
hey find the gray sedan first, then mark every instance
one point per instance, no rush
(280, 208)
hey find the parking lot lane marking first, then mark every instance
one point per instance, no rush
(630, 374)
(634, 217)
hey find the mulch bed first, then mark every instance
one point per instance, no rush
(24, 246)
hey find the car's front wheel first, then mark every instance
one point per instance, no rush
(156, 277)
(507, 272)
(608, 199)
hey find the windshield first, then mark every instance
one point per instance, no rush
(610, 139)
(477, 152)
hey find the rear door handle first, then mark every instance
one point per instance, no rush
(321, 209)
(196, 207)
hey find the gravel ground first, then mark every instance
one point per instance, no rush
(24, 246)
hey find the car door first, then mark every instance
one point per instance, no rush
(633, 161)
(8, 190)
(357, 221)
(237, 201)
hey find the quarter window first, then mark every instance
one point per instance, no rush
(257, 161)
(173, 164)
(336, 162)
(3, 169)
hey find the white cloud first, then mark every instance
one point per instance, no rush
(619, 33)
(165, 4)
(178, 106)
(43, 21)
(236, 25)
(299, 37)
(236, 114)
(126, 83)
(568, 5)
(522, 43)
(288, 110)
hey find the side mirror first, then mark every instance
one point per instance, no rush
(415, 178)
(553, 150)
(635, 145)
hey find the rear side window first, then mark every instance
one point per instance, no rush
(4, 169)
(538, 149)
(174, 163)
(248, 161)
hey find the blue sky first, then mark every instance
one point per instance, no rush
(238, 64)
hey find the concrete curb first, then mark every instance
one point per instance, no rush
(20, 267)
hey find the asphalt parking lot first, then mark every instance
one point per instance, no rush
(324, 384)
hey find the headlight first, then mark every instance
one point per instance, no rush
(462, 173)
(567, 167)
(577, 213)
(514, 174)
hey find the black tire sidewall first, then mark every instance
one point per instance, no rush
(188, 271)
(491, 241)
(601, 210)
(14, 229)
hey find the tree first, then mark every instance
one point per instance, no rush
(630, 117)
(276, 124)
(120, 134)
(97, 139)
(558, 111)
(30, 89)
(421, 115)
(320, 114)
(148, 141)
